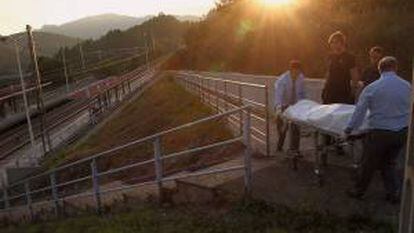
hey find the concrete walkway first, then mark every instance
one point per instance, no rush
(276, 182)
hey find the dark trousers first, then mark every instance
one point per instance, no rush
(294, 134)
(381, 151)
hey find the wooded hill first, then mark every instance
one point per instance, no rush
(162, 35)
(242, 35)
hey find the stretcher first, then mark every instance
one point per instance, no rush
(326, 122)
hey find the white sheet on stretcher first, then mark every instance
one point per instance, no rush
(332, 118)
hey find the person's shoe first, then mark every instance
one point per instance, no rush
(392, 199)
(355, 194)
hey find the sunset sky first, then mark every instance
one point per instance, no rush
(15, 14)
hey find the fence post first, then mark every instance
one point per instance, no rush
(203, 98)
(158, 167)
(6, 198)
(226, 107)
(96, 188)
(28, 199)
(247, 154)
(217, 96)
(240, 105)
(55, 194)
(199, 88)
(206, 91)
(267, 120)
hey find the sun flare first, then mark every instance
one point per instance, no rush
(273, 3)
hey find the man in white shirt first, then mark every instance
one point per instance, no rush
(289, 89)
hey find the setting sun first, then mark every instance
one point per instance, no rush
(276, 2)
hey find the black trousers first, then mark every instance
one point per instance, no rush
(381, 151)
(294, 134)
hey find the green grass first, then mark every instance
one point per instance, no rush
(237, 217)
(163, 106)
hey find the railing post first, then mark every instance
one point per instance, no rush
(267, 120)
(6, 198)
(28, 199)
(96, 188)
(247, 153)
(226, 107)
(217, 96)
(240, 96)
(55, 194)
(199, 89)
(202, 90)
(207, 92)
(158, 167)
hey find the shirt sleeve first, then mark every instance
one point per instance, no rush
(360, 110)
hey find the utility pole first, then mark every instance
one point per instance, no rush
(65, 70)
(26, 105)
(82, 56)
(41, 107)
(152, 46)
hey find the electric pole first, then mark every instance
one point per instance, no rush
(65, 70)
(81, 56)
(41, 107)
(26, 105)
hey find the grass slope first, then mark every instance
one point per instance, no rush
(165, 105)
(236, 217)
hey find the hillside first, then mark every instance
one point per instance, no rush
(94, 27)
(47, 45)
(162, 34)
(239, 35)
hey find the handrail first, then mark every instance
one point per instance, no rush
(229, 95)
(158, 158)
(132, 143)
(225, 80)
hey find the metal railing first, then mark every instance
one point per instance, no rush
(24, 195)
(95, 105)
(221, 94)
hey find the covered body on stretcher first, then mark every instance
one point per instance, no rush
(331, 119)
(325, 120)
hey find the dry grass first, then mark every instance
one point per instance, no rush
(165, 105)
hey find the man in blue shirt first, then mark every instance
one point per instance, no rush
(289, 89)
(388, 102)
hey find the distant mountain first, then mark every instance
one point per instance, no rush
(47, 44)
(94, 27)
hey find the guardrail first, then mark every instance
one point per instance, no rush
(95, 105)
(47, 189)
(222, 94)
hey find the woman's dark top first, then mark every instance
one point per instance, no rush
(338, 84)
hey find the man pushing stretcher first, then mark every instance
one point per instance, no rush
(289, 89)
(381, 114)
(387, 102)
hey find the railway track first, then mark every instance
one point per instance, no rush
(17, 137)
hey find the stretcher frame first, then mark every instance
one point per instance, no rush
(322, 151)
